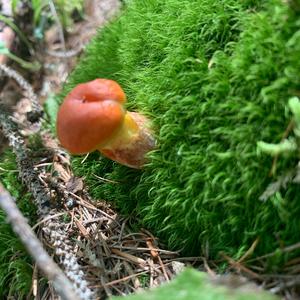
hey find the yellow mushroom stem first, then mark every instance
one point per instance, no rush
(130, 144)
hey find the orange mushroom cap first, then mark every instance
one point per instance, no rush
(90, 115)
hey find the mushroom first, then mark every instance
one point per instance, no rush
(93, 117)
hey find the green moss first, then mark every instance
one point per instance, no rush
(194, 285)
(15, 263)
(215, 78)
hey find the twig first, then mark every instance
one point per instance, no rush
(93, 208)
(30, 94)
(163, 269)
(60, 28)
(35, 281)
(293, 282)
(283, 250)
(189, 259)
(123, 279)
(152, 249)
(105, 179)
(47, 219)
(132, 258)
(65, 54)
(249, 251)
(146, 249)
(130, 276)
(56, 235)
(239, 267)
(207, 268)
(25, 165)
(135, 280)
(5, 170)
(20, 226)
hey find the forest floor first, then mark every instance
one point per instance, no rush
(116, 259)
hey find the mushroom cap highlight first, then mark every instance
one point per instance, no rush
(90, 115)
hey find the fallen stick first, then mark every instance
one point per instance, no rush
(20, 226)
(55, 232)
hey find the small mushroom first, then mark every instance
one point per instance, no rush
(93, 117)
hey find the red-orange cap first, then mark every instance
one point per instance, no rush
(90, 114)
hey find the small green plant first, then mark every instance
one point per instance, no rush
(43, 16)
(13, 26)
(25, 64)
(288, 147)
(41, 10)
(51, 108)
(65, 10)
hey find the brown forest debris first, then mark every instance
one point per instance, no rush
(20, 226)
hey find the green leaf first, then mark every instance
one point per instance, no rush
(51, 108)
(294, 105)
(287, 146)
(14, 27)
(3, 49)
(14, 4)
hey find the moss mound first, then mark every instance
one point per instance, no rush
(215, 78)
(194, 285)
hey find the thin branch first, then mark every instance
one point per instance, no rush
(239, 267)
(283, 285)
(283, 250)
(28, 91)
(28, 174)
(52, 228)
(65, 54)
(20, 226)
(60, 28)
(249, 251)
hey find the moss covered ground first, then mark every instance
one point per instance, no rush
(215, 78)
(15, 264)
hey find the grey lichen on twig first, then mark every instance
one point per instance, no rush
(20, 226)
(25, 165)
(28, 91)
(52, 228)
